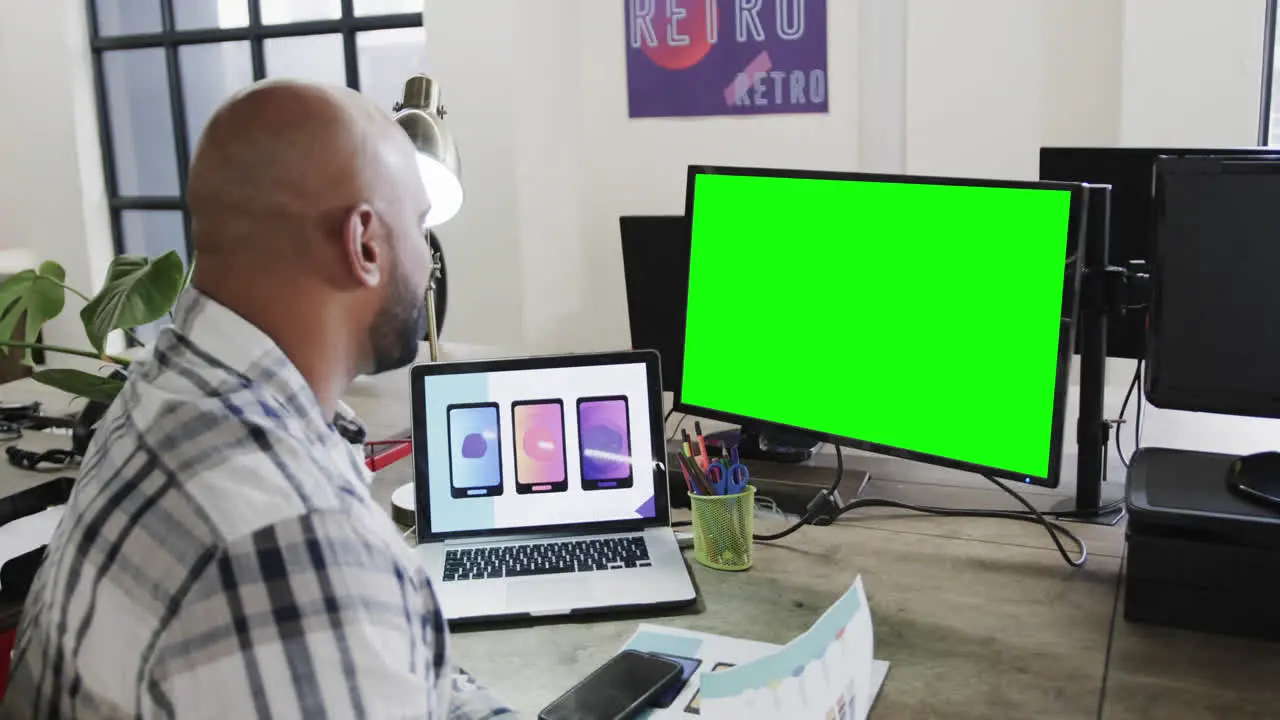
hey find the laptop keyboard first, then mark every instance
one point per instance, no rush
(550, 558)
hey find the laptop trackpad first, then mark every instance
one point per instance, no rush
(552, 593)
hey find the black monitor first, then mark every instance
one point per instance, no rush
(1129, 173)
(655, 267)
(1214, 344)
(924, 318)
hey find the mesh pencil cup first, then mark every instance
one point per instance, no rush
(722, 528)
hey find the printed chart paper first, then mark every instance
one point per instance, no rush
(827, 673)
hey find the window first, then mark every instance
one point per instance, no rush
(161, 67)
(1269, 117)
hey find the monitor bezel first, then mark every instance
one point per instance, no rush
(1066, 332)
(657, 442)
(1158, 391)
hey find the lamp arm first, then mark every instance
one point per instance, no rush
(437, 296)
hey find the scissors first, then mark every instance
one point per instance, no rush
(728, 479)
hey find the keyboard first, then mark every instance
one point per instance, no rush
(549, 558)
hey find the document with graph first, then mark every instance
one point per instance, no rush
(827, 673)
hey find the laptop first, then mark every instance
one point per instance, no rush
(541, 487)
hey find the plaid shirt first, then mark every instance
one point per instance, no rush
(221, 557)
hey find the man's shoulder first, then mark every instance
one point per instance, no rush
(238, 456)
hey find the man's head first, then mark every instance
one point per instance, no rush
(306, 202)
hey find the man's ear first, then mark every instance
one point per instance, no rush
(363, 247)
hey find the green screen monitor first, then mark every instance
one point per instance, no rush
(924, 318)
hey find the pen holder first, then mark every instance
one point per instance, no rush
(722, 529)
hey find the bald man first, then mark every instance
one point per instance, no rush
(221, 556)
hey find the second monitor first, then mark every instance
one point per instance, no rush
(919, 317)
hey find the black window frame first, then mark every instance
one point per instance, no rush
(170, 39)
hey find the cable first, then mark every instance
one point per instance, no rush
(30, 459)
(683, 417)
(823, 498)
(1137, 425)
(1029, 515)
(1050, 527)
(1124, 410)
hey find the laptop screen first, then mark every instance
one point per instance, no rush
(523, 448)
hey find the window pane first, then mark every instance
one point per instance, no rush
(210, 74)
(287, 11)
(152, 232)
(210, 14)
(1273, 122)
(387, 7)
(318, 58)
(126, 17)
(387, 58)
(141, 122)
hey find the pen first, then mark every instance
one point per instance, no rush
(684, 471)
(704, 461)
(696, 477)
(688, 476)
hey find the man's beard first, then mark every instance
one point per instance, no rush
(401, 323)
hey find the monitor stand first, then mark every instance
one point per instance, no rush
(770, 444)
(1103, 288)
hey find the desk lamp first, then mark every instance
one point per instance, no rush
(421, 116)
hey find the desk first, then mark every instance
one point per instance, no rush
(980, 618)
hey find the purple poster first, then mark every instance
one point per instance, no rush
(726, 57)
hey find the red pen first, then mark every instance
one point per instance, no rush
(704, 461)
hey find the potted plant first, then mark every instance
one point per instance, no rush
(139, 290)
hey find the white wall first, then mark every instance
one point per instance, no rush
(552, 160)
(52, 198)
(1192, 72)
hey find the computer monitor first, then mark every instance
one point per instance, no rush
(1129, 173)
(925, 318)
(1214, 343)
(655, 267)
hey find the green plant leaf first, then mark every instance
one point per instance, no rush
(191, 269)
(80, 383)
(138, 290)
(38, 294)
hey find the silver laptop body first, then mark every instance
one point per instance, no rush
(541, 487)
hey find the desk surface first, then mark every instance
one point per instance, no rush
(980, 618)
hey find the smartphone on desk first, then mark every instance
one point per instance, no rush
(618, 690)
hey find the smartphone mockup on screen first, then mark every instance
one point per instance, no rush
(538, 426)
(618, 690)
(475, 451)
(604, 442)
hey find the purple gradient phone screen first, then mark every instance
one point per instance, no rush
(605, 439)
(539, 439)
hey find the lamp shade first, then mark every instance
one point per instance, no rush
(421, 116)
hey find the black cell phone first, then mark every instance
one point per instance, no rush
(617, 690)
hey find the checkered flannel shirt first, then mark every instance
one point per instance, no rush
(221, 557)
